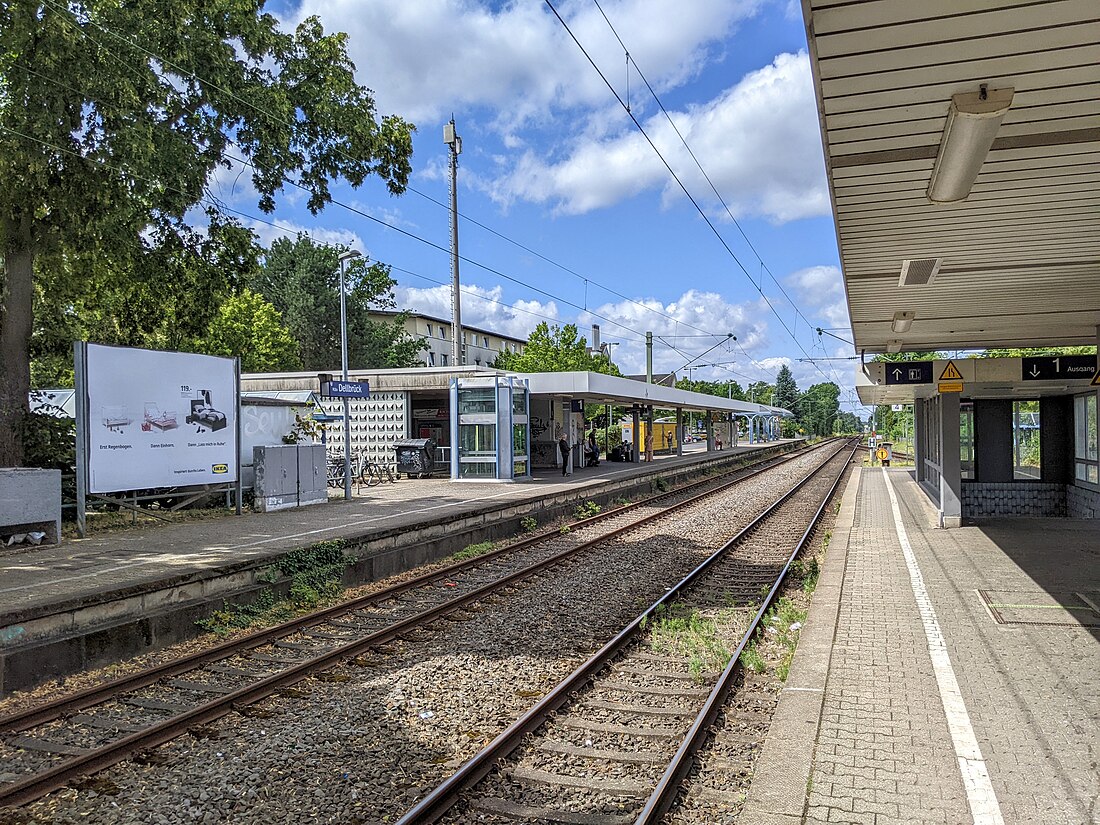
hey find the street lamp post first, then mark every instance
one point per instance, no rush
(344, 258)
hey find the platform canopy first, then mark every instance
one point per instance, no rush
(1016, 261)
(596, 388)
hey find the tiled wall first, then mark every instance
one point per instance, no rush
(1082, 502)
(1013, 498)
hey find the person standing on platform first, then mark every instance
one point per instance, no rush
(718, 441)
(649, 444)
(563, 448)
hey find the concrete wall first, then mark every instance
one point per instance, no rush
(1056, 438)
(992, 440)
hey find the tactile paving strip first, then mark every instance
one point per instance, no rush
(1038, 607)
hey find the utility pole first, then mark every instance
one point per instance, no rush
(649, 357)
(455, 143)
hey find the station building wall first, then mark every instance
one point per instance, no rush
(1056, 493)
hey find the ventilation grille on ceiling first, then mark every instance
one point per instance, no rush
(919, 271)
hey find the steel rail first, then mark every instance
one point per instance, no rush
(445, 795)
(37, 785)
(89, 697)
(668, 787)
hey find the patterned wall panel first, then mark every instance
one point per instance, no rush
(376, 424)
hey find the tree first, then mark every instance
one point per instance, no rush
(301, 278)
(820, 408)
(164, 299)
(1030, 352)
(555, 349)
(786, 390)
(760, 392)
(114, 116)
(723, 389)
(251, 328)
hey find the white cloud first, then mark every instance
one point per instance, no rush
(426, 58)
(481, 307)
(758, 141)
(676, 327)
(821, 290)
(289, 229)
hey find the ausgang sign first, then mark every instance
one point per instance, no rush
(345, 389)
(1058, 367)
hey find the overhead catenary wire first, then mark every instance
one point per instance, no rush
(684, 189)
(759, 258)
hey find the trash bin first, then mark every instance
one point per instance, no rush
(416, 456)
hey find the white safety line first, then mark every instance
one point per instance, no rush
(979, 790)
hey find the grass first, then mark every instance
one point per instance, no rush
(472, 551)
(688, 633)
(784, 625)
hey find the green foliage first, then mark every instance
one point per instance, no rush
(314, 574)
(760, 392)
(301, 279)
(1030, 352)
(587, 510)
(786, 390)
(109, 144)
(472, 551)
(723, 389)
(688, 633)
(529, 524)
(820, 408)
(806, 573)
(555, 349)
(661, 484)
(304, 428)
(250, 327)
(565, 529)
(753, 659)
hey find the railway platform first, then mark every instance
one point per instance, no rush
(84, 603)
(943, 676)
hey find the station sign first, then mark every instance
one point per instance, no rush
(1058, 367)
(909, 372)
(345, 389)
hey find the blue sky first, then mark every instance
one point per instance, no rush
(552, 161)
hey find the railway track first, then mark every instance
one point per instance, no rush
(47, 747)
(612, 743)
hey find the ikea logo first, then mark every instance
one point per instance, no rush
(220, 468)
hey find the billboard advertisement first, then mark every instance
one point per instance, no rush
(159, 419)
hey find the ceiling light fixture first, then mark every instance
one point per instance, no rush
(972, 124)
(902, 321)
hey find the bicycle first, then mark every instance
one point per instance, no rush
(374, 473)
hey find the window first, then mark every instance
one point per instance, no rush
(429, 330)
(444, 359)
(477, 400)
(485, 341)
(431, 359)
(966, 439)
(1025, 440)
(443, 332)
(1085, 465)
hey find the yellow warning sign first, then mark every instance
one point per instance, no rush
(951, 373)
(1095, 380)
(951, 386)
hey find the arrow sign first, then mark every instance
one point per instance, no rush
(1058, 367)
(909, 372)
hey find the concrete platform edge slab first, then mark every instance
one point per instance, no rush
(782, 774)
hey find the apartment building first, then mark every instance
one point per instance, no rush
(480, 346)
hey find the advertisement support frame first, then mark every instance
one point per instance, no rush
(238, 487)
(80, 382)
